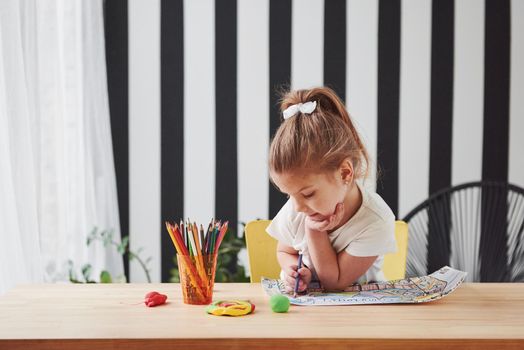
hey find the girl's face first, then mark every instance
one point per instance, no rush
(314, 194)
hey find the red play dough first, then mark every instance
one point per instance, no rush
(154, 299)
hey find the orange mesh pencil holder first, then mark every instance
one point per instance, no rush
(197, 278)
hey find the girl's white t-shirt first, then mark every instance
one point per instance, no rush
(370, 232)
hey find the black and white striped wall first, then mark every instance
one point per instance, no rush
(436, 88)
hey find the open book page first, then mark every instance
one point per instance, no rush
(409, 290)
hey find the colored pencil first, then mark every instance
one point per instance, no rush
(298, 275)
(177, 241)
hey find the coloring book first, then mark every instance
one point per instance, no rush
(410, 290)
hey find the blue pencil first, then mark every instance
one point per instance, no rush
(298, 276)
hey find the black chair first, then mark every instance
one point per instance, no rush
(475, 227)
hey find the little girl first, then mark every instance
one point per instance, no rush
(341, 229)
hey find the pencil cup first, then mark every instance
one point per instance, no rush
(197, 277)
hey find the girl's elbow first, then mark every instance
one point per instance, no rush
(337, 284)
(333, 284)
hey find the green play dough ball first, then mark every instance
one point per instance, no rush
(279, 303)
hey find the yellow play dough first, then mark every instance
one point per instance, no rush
(230, 308)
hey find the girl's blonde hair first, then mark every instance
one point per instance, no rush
(319, 141)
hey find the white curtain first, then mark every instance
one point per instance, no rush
(57, 179)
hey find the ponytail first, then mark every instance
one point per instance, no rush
(322, 139)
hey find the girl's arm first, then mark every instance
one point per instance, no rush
(286, 256)
(335, 272)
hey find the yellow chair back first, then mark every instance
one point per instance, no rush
(261, 249)
(394, 266)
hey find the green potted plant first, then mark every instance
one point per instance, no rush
(107, 238)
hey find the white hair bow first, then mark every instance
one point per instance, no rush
(306, 108)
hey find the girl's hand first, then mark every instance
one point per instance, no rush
(291, 277)
(329, 223)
